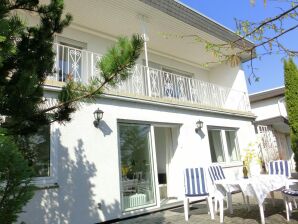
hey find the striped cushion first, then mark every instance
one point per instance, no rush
(290, 192)
(195, 182)
(279, 167)
(216, 173)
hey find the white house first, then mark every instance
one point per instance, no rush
(132, 162)
(272, 124)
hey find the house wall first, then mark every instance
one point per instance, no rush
(231, 77)
(197, 72)
(267, 108)
(101, 45)
(161, 150)
(87, 158)
(271, 107)
(99, 42)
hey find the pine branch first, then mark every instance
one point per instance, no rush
(87, 95)
(114, 65)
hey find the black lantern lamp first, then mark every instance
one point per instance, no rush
(98, 114)
(200, 125)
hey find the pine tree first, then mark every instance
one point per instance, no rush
(26, 60)
(291, 92)
(15, 172)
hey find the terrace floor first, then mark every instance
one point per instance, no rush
(198, 214)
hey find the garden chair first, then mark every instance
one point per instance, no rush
(196, 188)
(281, 167)
(289, 195)
(216, 173)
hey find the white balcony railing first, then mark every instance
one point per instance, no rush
(149, 83)
(77, 63)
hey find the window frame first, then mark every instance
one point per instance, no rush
(152, 152)
(227, 158)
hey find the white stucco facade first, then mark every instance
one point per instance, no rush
(85, 182)
(269, 108)
(87, 158)
(272, 124)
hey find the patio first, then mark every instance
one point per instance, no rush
(198, 214)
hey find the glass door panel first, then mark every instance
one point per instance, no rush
(138, 189)
(215, 142)
(232, 144)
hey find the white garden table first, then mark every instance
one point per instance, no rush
(257, 187)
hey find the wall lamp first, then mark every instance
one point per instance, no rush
(98, 114)
(199, 125)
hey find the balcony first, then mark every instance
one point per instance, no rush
(149, 84)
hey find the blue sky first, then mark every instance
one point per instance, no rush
(269, 68)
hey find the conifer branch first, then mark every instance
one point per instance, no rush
(129, 52)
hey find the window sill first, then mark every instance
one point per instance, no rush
(45, 183)
(45, 187)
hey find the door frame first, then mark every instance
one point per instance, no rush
(153, 167)
(156, 192)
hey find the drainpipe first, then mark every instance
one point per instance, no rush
(144, 21)
(145, 38)
(279, 102)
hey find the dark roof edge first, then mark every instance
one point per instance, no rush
(273, 120)
(193, 18)
(266, 94)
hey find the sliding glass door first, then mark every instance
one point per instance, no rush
(137, 179)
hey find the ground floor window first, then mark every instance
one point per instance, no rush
(223, 144)
(137, 179)
(39, 144)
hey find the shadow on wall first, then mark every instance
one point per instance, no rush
(104, 127)
(74, 201)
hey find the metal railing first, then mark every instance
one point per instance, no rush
(78, 64)
(164, 86)
(149, 83)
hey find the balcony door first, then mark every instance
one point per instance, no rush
(175, 83)
(70, 59)
(136, 161)
(70, 62)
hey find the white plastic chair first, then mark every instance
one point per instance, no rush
(289, 195)
(196, 188)
(216, 173)
(281, 167)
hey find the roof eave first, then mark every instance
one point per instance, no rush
(195, 19)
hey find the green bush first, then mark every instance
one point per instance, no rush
(291, 92)
(15, 178)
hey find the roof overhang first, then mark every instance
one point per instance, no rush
(280, 124)
(196, 19)
(267, 94)
(114, 18)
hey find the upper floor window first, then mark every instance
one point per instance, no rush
(223, 144)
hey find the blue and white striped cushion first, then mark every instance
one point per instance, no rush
(195, 182)
(279, 167)
(290, 192)
(216, 173)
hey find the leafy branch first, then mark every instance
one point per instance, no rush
(266, 35)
